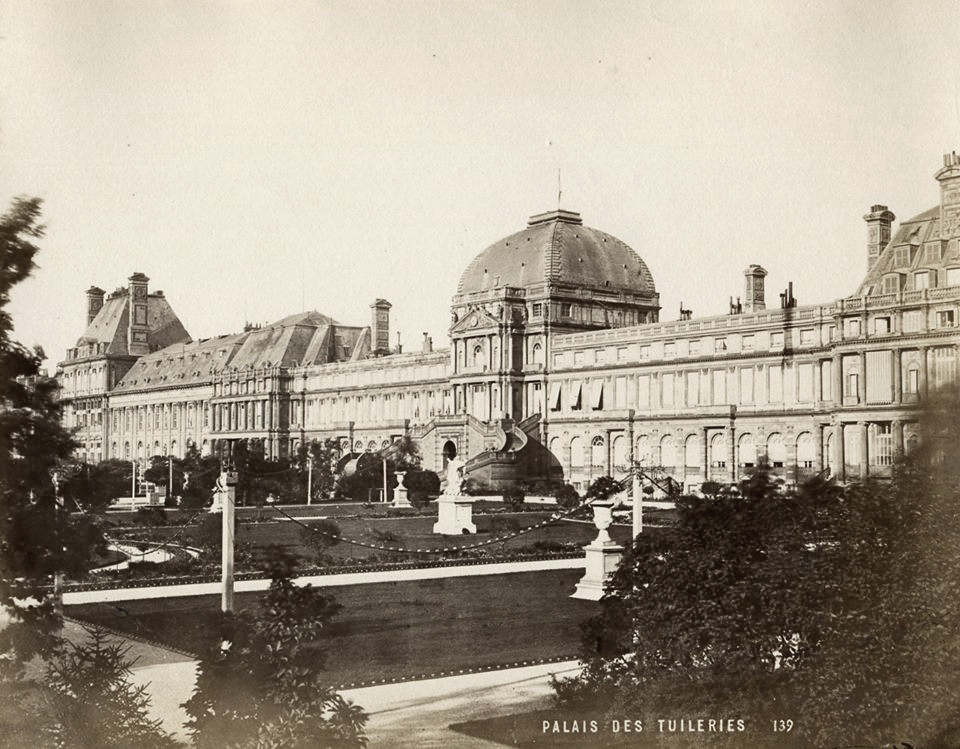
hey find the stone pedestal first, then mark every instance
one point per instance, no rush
(455, 515)
(603, 556)
(400, 498)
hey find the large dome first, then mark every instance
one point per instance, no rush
(557, 248)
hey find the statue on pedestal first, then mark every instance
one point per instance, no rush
(454, 478)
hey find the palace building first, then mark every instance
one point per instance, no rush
(559, 367)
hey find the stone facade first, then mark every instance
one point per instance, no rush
(558, 367)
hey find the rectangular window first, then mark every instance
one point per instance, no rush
(946, 318)
(884, 445)
(776, 340)
(775, 377)
(921, 280)
(953, 276)
(879, 380)
(666, 389)
(933, 253)
(537, 310)
(597, 401)
(576, 396)
(746, 385)
(901, 257)
(912, 320)
(805, 383)
(748, 343)
(577, 358)
(555, 396)
(601, 356)
(881, 325)
(853, 386)
(806, 337)
(620, 396)
(566, 309)
(669, 349)
(913, 381)
(644, 353)
(719, 387)
(852, 328)
(720, 345)
(693, 388)
(643, 391)
(622, 353)
(891, 284)
(695, 347)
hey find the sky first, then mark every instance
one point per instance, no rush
(260, 159)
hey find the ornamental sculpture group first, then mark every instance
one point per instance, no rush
(454, 508)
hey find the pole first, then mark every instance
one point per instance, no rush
(170, 479)
(226, 486)
(384, 479)
(58, 575)
(309, 478)
(637, 505)
(133, 485)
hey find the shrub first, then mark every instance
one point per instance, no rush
(513, 498)
(150, 516)
(567, 497)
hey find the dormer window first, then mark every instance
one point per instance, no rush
(891, 283)
(901, 257)
(921, 280)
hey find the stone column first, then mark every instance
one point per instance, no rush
(896, 427)
(817, 382)
(791, 469)
(897, 376)
(732, 453)
(924, 372)
(704, 454)
(862, 379)
(837, 373)
(819, 454)
(567, 460)
(839, 456)
(864, 450)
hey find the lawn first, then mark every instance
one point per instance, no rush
(410, 533)
(395, 630)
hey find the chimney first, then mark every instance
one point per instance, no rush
(94, 302)
(138, 342)
(949, 179)
(878, 221)
(427, 344)
(380, 326)
(754, 297)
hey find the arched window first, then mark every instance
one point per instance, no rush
(598, 453)
(691, 451)
(776, 453)
(748, 451)
(537, 353)
(806, 450)
(644, 450)
(668, 451)
(477, 358)
(621, 461)
(576, 453)
(718, 450)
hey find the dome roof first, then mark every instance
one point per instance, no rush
(557, 248)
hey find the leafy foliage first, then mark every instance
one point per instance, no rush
(421, 486)
(37, 539)
(604, 487)
(265, 689)
(567, 497)
(94, 705)
(839, 605)
(513, 498)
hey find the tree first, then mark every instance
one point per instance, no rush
(92, 487)
(567, 497)
(603, 488)
(421, 486)
(264, 689)
(838, 605)
(93, 703)
(37, 539)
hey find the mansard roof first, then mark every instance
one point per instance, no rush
(920, 248)
(109, 327)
